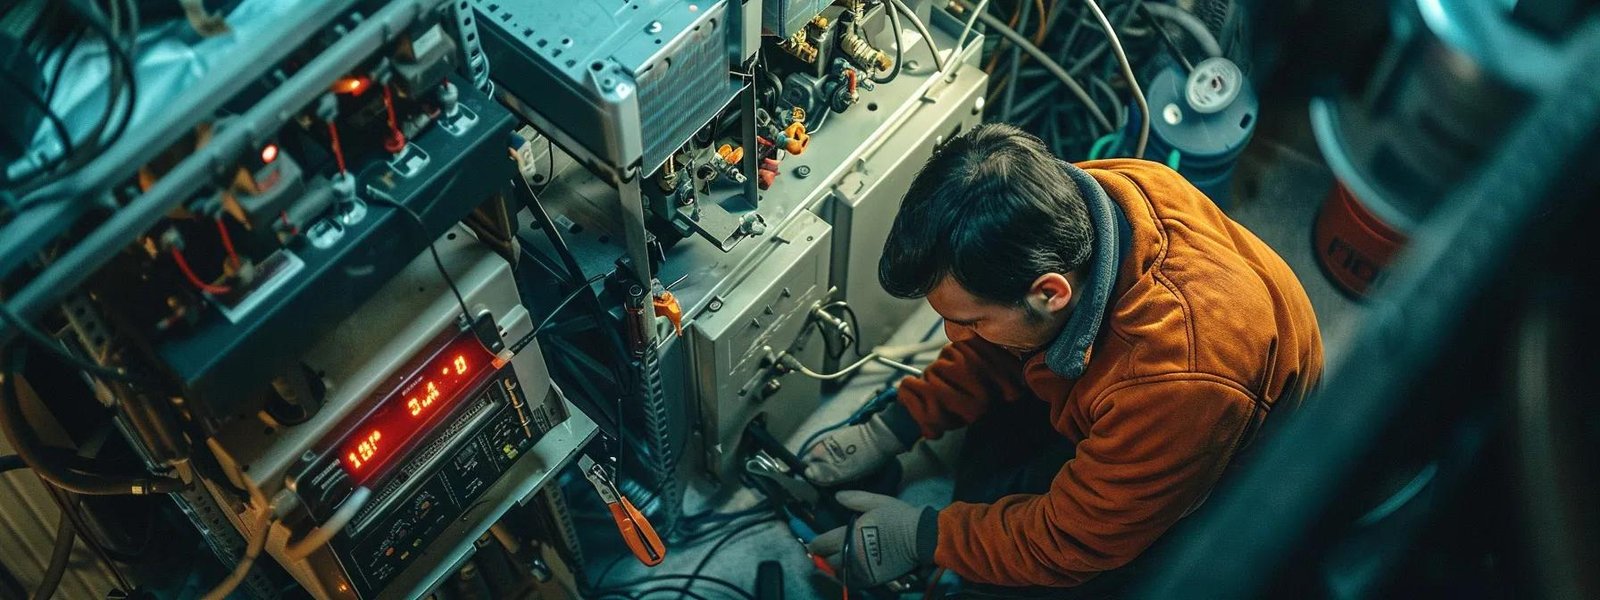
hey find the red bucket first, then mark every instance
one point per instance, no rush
(1353, 245)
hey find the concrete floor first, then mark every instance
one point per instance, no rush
(1279, 187)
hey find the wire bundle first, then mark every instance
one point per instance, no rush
(1039, 96)
(117, 28)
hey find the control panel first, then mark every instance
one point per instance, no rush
(428, 447)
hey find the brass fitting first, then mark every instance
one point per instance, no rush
(861, 52)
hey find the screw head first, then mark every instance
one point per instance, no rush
(1172, 114)
(802, 171)
(653, 27)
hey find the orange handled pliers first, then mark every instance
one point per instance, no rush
(636, 530)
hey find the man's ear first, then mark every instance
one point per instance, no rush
(1052, 292)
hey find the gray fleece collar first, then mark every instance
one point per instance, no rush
(1067, 356)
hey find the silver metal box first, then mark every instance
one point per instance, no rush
(623, 83)
(734, 339)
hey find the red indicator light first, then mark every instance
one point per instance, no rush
(269, 153)
(408, 412)
(353, 86)
(365, 450)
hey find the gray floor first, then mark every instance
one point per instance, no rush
(1279, 187)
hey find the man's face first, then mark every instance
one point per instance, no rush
(1019, 328)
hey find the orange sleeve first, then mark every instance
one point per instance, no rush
(960, 386)
(1155, 448)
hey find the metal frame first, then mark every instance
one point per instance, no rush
(31, 230)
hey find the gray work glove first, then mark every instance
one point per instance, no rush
(852, 453)
(889, 539)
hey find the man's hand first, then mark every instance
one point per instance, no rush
(852, 453)
(889, 539)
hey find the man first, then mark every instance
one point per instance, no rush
(1115, 341)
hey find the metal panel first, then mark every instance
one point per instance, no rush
(734, 340)
(359, 356)
(865, 200)
(626, 83)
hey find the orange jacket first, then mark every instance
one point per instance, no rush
(1204, 330)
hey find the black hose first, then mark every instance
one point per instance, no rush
(66, 534)
(11, 462)
(10, 587)
(48, 462)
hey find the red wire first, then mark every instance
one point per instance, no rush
(227, 242)
(851, 75)
(284, 215)
(338, 152)
(388, 106)
(183, 265)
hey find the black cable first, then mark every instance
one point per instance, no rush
(61, 553)
(574, 272)
(540, 328)
(855, 327)
(691, 579)
(70, 505)
(121, 76)
(11, 462)
(68, 48)
(712, 552)
(48, 462)
(33, 97)
(10, 587)
(422, 228)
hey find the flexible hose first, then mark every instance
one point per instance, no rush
(1049, 64)
(66, 534)
(33, 451)
(1189, 23)
(1127, 73)
(966, 30)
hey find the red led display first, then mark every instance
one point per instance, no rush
(406, 413)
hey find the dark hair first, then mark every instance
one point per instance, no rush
(992, 208)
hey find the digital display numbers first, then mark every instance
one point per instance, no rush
(405, 414)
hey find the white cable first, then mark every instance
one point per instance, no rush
(922, 29)
(794, 363)
(909, 350)
(961, 42)
(898, 365)
(1127, 72)
(259, 526)
(1189, 23)
(319, 536)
